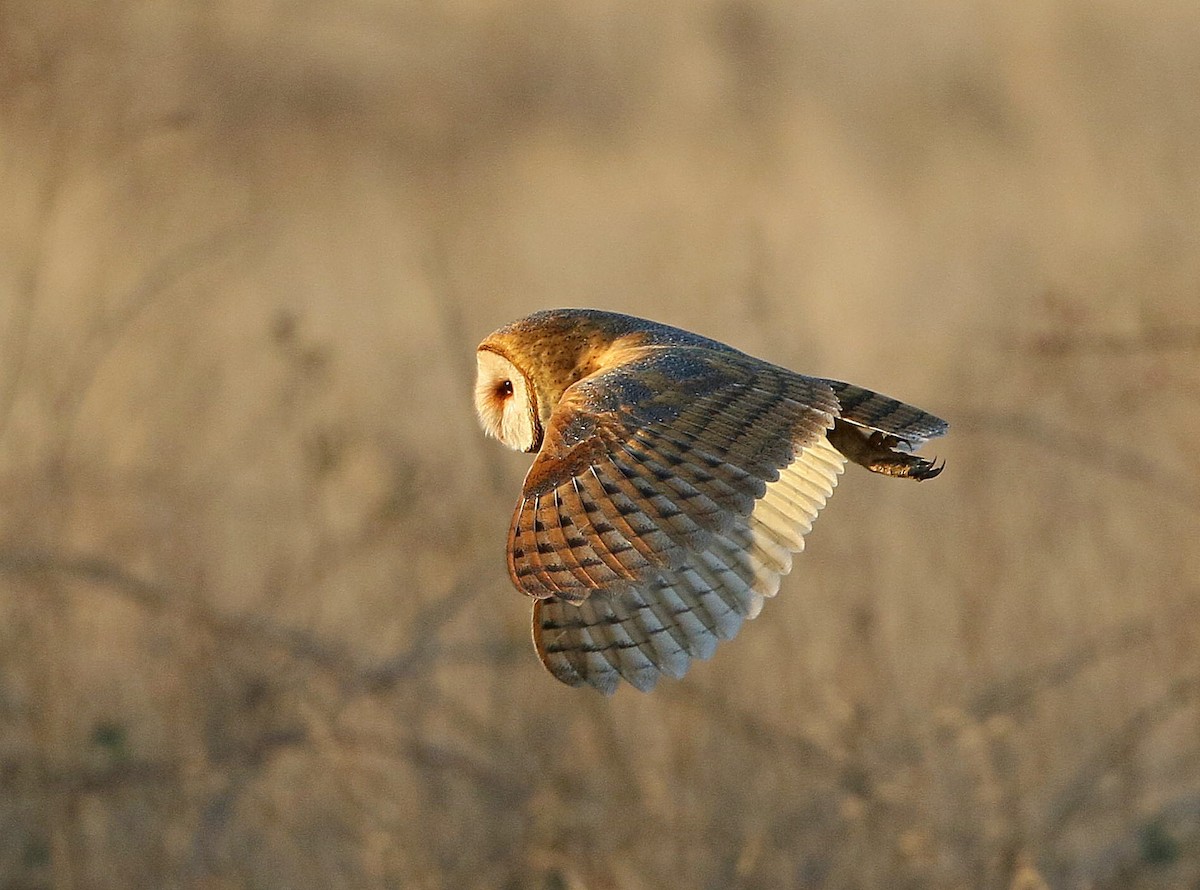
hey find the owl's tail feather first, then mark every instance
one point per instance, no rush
(873, 411)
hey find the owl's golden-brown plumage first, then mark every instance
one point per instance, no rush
(675, 477)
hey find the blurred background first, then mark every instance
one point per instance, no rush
(255, 625)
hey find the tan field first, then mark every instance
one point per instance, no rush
(256, 629)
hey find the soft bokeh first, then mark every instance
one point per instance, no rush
(255, 625)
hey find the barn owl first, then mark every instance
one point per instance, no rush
(675, 477)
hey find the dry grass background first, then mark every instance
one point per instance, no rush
(255, 629)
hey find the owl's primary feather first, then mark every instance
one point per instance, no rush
(639, 631)
(674, 479)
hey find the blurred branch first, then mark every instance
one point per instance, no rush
(499, 781)
(1053, 343)
(215, 816)
(496, 780)
(85, 780)
(1015, 692)
(1120, 858)
(150, 288)
(334, 659)
(84, 568)
(16, 348)
(424, 633)
(219, 809)
(1085, 450)
(496, 653)
(757, 731)
(159, 280)
(1120, 746)
(154, 595)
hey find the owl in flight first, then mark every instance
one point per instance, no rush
(675, 477)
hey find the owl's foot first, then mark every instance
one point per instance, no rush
(881, 453)
(909, 466)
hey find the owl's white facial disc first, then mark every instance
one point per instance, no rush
(505, 402)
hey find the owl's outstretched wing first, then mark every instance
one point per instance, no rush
(639, 631)
(667, 499)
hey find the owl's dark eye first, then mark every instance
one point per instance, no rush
(504, 389)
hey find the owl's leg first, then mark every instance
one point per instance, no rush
(880, 453)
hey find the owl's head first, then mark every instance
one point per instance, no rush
(506, 400)
(525, 367)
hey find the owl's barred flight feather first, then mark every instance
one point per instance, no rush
(674, 479)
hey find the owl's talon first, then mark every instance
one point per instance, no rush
(929, 469)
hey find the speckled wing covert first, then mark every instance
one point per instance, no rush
(666, 501)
